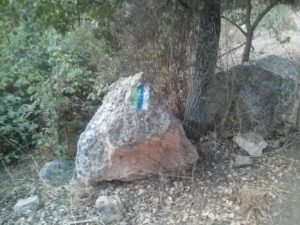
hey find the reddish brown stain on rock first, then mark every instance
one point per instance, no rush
(169, 152)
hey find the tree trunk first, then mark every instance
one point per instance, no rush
(247, 49)
(249, 34)
(251, 27)
(195, 118)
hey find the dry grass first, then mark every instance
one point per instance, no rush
(253, 202)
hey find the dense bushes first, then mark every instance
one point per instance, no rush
(49, 86)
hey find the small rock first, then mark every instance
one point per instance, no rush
(57, 172)
(20, 221)
(242, 161)
(146, 221)
(169, 200)
(28, 205)
(110, 209)
(251, 143)
(141, 191)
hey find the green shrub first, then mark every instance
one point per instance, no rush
(81, 72)
(21, 69)
(50, 85)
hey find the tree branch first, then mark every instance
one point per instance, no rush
(235, 24)
(266, 10)
(231, 50)
(248, 15)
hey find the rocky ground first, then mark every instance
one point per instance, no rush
(214, 192)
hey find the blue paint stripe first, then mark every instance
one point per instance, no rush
(140, 97)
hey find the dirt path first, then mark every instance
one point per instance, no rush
(287, 209)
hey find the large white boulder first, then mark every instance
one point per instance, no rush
(133, 134)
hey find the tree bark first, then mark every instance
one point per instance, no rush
(195, 118)
(247, 49)
(249, 33)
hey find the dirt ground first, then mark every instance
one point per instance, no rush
(288, 208)
(214, 193)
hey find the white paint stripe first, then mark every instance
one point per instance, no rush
(146, 98)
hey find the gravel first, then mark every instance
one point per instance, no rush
(206, 195)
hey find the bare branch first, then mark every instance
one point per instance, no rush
(235, 24)
(231, 50)
(263, 13)
(248, 15)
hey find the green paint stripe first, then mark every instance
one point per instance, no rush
(133, 97)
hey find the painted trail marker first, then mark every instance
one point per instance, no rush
(139, 98)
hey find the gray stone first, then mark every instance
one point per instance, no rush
(110, 209)
(26, 206)
(251, 143)
(260, 96)
(280, 66)
(57, 172)
(242, 161)
(133, 134)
